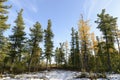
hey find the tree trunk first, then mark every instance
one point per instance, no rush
(85, 63)
(108, 53)
(47, 64)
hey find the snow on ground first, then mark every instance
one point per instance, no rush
(113, 76)
(55, 75)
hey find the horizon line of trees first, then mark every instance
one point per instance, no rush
(87, 52)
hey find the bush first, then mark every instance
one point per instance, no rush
(101, 75)
(19, 67)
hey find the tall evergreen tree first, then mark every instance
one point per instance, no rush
(72, 51)
(3, 25)
(36, 36)
(77, 52)
(4, 54)
(17, 38)
(3, 17)
(48, 43)
(107, 25)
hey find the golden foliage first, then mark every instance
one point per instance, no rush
(84, 30)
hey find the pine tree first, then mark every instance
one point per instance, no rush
(4, 54)
(17, 38)
(48, 43)
(36, 37)
(107, 25)
(3, 17)
(3, 20)
(3, 25)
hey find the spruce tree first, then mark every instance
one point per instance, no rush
(72, 51)
(77, 52)
(17, 38)
(48, 43)
(36, 36)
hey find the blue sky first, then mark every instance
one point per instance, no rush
(64, 14)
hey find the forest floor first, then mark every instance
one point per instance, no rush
(54, 75)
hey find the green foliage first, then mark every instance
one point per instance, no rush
(36, 37)
(107, 25)
(77, 52)
(18, 67)
(91, 63)
(4, 54)
(3, 17)
(36, 33)
(72, 51)
(102, 75)
(60, 55)
(57, 56)
(115, 62)
(48, 42)
(101, 58)
(75, 57)
(4, 50)
(17, 39)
